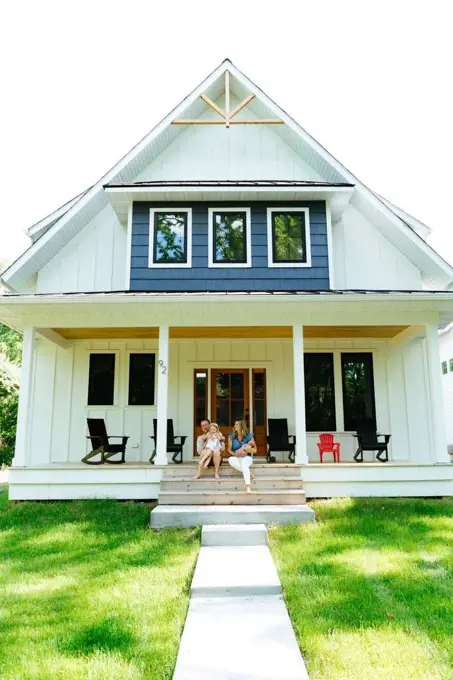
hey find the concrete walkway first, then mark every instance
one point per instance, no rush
(237, 627)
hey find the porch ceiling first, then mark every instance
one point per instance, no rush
(239, 332)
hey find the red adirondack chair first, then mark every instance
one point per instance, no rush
(326, 444)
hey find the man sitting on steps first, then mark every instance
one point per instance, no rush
(201, 441)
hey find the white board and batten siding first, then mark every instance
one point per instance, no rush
(446, 353)
(94, 260)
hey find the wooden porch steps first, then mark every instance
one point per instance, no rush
(274, 485)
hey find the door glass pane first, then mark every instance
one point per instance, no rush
(101, 379)
(200, 384)
(141, 379)
(223, 385)
(229, 237)
(237, 385)
(259, 414)
(237, 410)
(358, 389)
(319, 392)
(223, 414)
(259, 385)
(200, 410)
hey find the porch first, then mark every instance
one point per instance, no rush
(317, 373)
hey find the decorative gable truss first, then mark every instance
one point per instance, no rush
(228, 99)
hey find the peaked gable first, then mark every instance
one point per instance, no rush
(313, 159)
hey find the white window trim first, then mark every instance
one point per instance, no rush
(248, 236)
(126, 381)
(292, 265)
(116, 375)
(169, 265)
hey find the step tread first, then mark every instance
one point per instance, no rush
(233, 492)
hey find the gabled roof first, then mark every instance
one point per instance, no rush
(57, 229)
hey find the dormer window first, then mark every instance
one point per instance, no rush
(288, 231)
(229, 240)
(170, 237)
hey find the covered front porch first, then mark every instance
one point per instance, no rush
(321, 372)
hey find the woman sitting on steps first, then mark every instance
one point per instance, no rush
(241, 447)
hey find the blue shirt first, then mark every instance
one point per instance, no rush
(236, 444)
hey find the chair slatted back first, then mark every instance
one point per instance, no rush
(366, 434)
(170, 431)
(96, 428)
(326, 441)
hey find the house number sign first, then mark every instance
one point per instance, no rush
(163, 367)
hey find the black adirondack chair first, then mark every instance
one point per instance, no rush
(172, 446)
(368, 440)
(278, 439)
(101, 445)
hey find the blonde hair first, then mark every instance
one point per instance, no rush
(214, 425)
(242, 427)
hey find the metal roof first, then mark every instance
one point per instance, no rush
(228, 183)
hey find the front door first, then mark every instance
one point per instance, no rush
(229, 397)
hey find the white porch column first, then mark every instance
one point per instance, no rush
(162, 397)
(299, 395)
(437, 407)
(25, 398)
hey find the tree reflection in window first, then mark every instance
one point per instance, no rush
(358, 390)
(319, 392)
(170, 238)
(230, 237)
(288, 237)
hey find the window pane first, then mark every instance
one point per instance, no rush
(258, 419)
(223, 414)
(237, 385)
(444, 367)
(237, 410)
(358, 389)
(223, 385)
(101, 380)
(259, 385)
(288, 235)
(200, 410)
(200, 384)
(319, 392)
(229, 237)
(141, 379)
(170, 237)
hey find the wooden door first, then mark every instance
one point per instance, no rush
(259, 406)
(200, 407)
(229, 397)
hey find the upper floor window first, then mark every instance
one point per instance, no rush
(170, 242)
(288, 232)
(229, 240)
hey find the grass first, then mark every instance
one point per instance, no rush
(369, 588)
(88, 592)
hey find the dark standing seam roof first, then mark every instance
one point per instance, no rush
(229, 183)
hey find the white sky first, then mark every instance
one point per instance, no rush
(82, 82)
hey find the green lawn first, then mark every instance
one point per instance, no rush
(88, 591)
(369, 588)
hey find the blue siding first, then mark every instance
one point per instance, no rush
(201, 278)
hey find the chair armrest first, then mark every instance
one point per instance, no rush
(181, 437)
(119, 436)
(386, 437)
(336, 447)
(293, 437)
(95, 436)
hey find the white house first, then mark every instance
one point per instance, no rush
(446, 366)
(228, 265)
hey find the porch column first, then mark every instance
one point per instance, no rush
(162, 397)
(25, 399)
(299, 395)
(437, 407)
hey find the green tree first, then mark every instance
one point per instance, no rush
(11, 351)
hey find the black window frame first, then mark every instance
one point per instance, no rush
(91, 374)
(368, 357)
(330, 355)
(174, 263)
(141, 353)
(215, 261)
(276, 212)
(444, 367)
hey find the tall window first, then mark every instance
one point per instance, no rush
(289, 237)
(319, 392)
(229, 237)
(444, 367)
(170, 238)
(141, 379)
(358, 389)
(101, 381)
